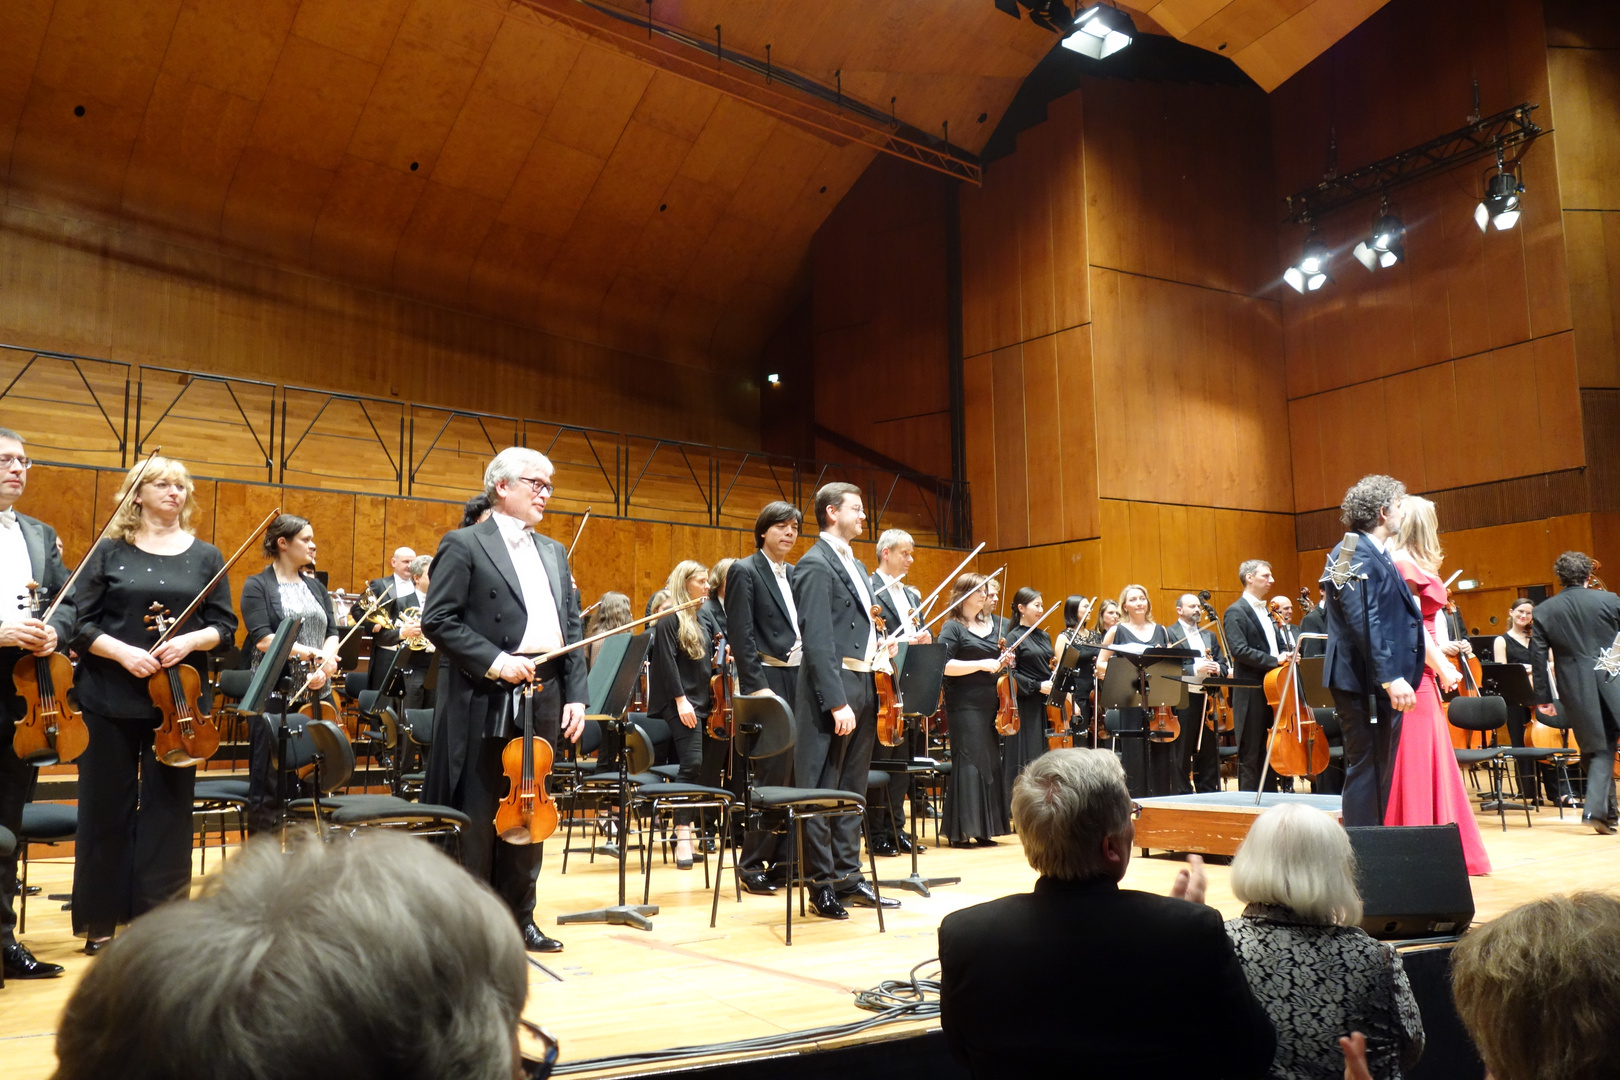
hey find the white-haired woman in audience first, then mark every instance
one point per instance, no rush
(1318, 974)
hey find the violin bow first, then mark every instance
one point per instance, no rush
(566, 649)
(922, 608)
(367, 610)
(1036, 625)
(62, 593)
(215, 580)
(578, 533)
(961, 598)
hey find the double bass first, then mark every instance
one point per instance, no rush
(1298, 745)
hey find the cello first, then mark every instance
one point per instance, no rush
(52, 728)
(891, 722)
(1298, 746)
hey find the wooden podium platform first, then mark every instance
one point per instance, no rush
(1214, 823)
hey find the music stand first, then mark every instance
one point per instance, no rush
(921, 680)
(1510, 682)
(1312, 676)
(266, 698)
(614, 719)
(1142, 678)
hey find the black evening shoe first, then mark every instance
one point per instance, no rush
(883, 845)
(20, 964)
(758, 883)
(1603, 829)
(863, 895)
(94, 945)
(825, 904)
(535, 940)
(905, 843)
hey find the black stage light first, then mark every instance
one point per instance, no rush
(1501, 205)
(1100, 31)
(1310, 273)
(1387, 244)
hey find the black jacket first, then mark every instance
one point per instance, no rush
(1374, 624)
(1577, 624)
(833, 625)
(673, 673)
(1062, 981)
(474, 613)
(756, 619)
(1314, 622)
(261, 606)
(45, 566)
(1251, 652)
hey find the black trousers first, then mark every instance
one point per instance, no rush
(133, 849)
(16, 784)
(1253, 719)
(701, 758)
(1197, 757)
(760, 846)
(1369, 755)
(821, 759)
(510, 869)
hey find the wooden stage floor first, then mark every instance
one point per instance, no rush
(684, 984)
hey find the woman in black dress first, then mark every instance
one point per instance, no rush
(133, 849)
(680, 664)
(1033, 673)
(285, 587)
(1513, 647)
(1137, 625)
(975, 808)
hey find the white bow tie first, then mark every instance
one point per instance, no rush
(8, 518)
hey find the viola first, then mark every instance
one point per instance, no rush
(1059, 735)
(51, 730)
(891, 722)
(185, 736)
(527, 813)
(720, 722)
(1298, 745)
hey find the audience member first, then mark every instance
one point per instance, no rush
(1539, 989)
(1083, 976)
(376, 957)
(1318, 975)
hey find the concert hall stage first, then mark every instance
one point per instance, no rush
(621, 991)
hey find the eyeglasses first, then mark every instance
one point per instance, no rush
(537, 485)
(10, 461)
(1136, 809)
(537, 1068)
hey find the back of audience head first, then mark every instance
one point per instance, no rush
(1539, 989)
(1300, 859)
(1073, 813)
(368, 958)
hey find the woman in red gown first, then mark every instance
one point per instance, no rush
(1427, 788)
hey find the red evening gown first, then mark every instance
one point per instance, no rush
(1427, 788)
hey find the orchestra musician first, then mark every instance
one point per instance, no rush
(1084, 677)
(1137, 626)
(1256, 649)
(680, 663)
(886, 813)
(501, 598)
(1314, 622)
(133, 848)
(762, 624)
(414, 658)
(1032, 672)
(1512, 646)
(613, 609)
(836, 700)
(398, 590)
(1287, 633)
(975, 807)
(28, 553)
(281, 589)
(1197, 749)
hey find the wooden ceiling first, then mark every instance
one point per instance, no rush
(1269, 39)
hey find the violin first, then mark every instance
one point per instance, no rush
(527, 813)
(1058, 733)
(51, 730)
(1006, 689)
(720, 722)
(891, 722)
(1162, 725)
(1218, 715)
(186, 735)
(1298, 746)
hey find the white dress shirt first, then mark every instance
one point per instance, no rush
(902, 603)
(543, 632)
(780, 569)
(1266, 624)
(16, 571)
(857, 577)
(1194, 640)
(404, 587)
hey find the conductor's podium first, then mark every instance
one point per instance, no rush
(1214, 823)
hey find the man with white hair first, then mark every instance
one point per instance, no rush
(502, 598)
(1107, 982)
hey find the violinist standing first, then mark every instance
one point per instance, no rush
(1152, 773)
(1198, 756)
(975, 805)
(836, 702)
(133, 849)
(762, 625)
(502, 595)
(886, 813)
(28, 553)
(1032, 672)
(1256, 649)
(284, 587)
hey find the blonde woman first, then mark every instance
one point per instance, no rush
(679, 667)
(133, 849)
(1318, 975)
(1153, 773)
(1427, 787)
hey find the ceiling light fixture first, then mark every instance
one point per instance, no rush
(1501, 206)
(1310, 273)
(1100, 32)
(1387, 244)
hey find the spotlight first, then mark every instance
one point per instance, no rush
(1387, 244)
(1100, 32)
(774, 380)
(1501, 205)
(1310, 273)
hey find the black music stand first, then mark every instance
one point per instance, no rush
(266, 698)
(618, 735)
(920, 682)
(1142, 678)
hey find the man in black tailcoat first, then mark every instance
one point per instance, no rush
(1256, 649)
(501, 596)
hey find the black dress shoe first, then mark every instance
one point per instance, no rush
(536, 941)
(825, 904)
(883, 845)
(863, 895)
(758, 883)
(1603, 829)
(905, 843)
(95, 945)
(20, 964)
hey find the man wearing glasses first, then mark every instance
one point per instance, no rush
(502, 599)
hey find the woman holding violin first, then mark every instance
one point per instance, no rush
(133, 849)
(1137, 626)
(680, 665)
(1032, 672)
(1512, 646)
(975, 808)
(1084, 678)
(285, 587)
(1427, 787)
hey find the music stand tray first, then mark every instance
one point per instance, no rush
(1511, 682)
(919, 685)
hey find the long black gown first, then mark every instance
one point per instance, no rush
(1151, 772)
(1034, 667)
(1518, 717)
(974, 805)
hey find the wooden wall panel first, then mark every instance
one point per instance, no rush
(979, 426)
(1592, 245)
(1075, 455)
(1011, 444)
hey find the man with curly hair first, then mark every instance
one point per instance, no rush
(1374, 656)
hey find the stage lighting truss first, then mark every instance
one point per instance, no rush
(1386, 246)
(1501, 206)
(1311, 271)
(1100, 31)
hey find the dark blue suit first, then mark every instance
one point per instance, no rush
(1375, 636)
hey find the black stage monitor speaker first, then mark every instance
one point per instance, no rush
(1413, 880)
